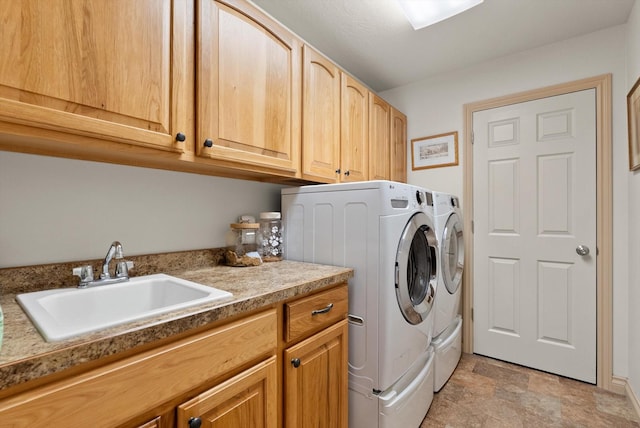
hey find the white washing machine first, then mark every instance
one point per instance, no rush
(447, 331)
(381, 230)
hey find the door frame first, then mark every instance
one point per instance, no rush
(604, 214)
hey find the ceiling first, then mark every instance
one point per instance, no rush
(372, 40)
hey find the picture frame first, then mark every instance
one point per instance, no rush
(633, 124)
(434, 151)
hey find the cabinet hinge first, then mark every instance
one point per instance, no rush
(472, 137)
(472, 227)
(471, 314)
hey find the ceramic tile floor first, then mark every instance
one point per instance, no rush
(488, 393)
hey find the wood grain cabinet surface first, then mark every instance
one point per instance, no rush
(354, 141)
(379, 138)
(248, 88)
(207, 86)
(136, 390)
(246, 400)
(111, 70)
(398, 158)
(334, 125)
(315, 362)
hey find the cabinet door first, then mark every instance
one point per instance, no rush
(114, 70)
(248, 89)
(355, 130)
(379, 137)
(321, 118)
(398, 163)
(246, 400)
(315, 377)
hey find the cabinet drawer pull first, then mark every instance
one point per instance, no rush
(323, 311)
(195, 422)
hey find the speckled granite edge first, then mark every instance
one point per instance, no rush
(26, 356)
(24, 279)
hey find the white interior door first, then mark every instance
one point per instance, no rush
(534, 193)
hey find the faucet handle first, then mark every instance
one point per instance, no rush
(85, 273)
(122, 268)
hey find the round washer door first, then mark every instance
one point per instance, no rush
(452, 261)
(416, 263)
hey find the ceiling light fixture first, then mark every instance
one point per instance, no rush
(422, 13)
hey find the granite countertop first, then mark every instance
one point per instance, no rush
(26, 356)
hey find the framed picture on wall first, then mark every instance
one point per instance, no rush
(434, 151)
(633, 123)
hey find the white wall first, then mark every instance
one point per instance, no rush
(633, 73)
(435, 106)
(55, 210)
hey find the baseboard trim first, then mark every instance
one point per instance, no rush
(623, 383)
(619, 385)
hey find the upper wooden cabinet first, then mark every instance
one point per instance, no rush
(115, 70)
(379, 137)
(321, 118)
(248, 89)
(334, 124)
(206, 86)
(354, 140)
(398, 163)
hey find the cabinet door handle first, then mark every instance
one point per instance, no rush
(208, 142)
(180, 136)
(338, 171)
(323, 310)
(295, 362)
(346, 173)
(195, 422)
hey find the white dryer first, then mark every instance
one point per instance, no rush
(447, 332)
(381, 230)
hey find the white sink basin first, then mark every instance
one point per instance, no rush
(66, 312)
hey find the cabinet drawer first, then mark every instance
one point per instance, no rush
(310, 314)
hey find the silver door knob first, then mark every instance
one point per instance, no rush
(582, 250)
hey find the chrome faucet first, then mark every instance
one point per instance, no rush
(114, 250)
(121, 273)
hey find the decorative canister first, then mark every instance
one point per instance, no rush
(270, 240)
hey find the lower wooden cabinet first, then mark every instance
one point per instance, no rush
(136, 389)
(254, 372)
(315, 361)
(315, 380)
(246, 400)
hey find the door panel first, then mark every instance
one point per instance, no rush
(534, 203)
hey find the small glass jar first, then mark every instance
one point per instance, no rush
(243, 238)
(269, 239)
